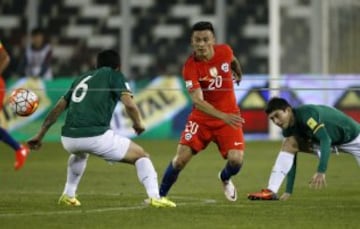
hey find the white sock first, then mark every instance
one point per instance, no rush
(75, 170)
(147, 176)
(281, 168)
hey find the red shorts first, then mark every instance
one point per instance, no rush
(2, 92)
(198, 133)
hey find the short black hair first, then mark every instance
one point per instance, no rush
(37, 31)
(276, 103)
(202, 25)
(108, 58)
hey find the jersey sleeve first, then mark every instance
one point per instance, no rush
(119, 84)
(313, 121)
(190, 76)
(226, 51)
(309, 118)
(67, 95)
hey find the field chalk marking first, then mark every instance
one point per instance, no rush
(75, 210)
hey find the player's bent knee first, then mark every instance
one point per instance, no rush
(183, 156)
(180, 162)
(290, 145)
(134, 153)
(290, 149)
(235, 157)
(235, 163)
(140, 153)
(79, 156)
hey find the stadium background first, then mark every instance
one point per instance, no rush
(316, 57)
(315, 60)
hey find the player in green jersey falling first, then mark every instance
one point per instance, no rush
(90, 103)
(307, 128)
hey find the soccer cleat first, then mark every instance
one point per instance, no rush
(229, 189)
(162, 202)
(68, 201)
(265, 194)
(20, 157)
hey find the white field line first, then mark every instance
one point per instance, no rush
(95, 193)
(78, 210)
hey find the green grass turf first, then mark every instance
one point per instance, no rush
(112, 197)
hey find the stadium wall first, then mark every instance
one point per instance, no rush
(164, 103)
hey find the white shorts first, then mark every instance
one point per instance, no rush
(109, 146)
(352, 147)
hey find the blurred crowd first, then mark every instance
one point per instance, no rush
(74, 31)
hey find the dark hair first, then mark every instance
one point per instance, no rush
(276, 103)
(108, 58)
(202, 25)
(37, 31)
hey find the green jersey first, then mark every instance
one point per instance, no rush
(311, 119)
(91, 101)
(323, 125)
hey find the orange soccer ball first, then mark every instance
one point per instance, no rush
(23, 101)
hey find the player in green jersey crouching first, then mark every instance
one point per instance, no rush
(90, 103)
(307, 128)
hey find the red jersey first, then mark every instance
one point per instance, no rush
(2, 83)
(214, 77)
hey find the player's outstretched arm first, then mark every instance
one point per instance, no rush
(35, 142)
(133, 112)
(318, 180)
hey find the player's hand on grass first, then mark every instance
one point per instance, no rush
(34, 143)
(318, 181)
(285, 196)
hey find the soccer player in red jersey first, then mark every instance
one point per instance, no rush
(208, 74)
(21, 152)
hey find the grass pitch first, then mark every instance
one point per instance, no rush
(112, 196)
